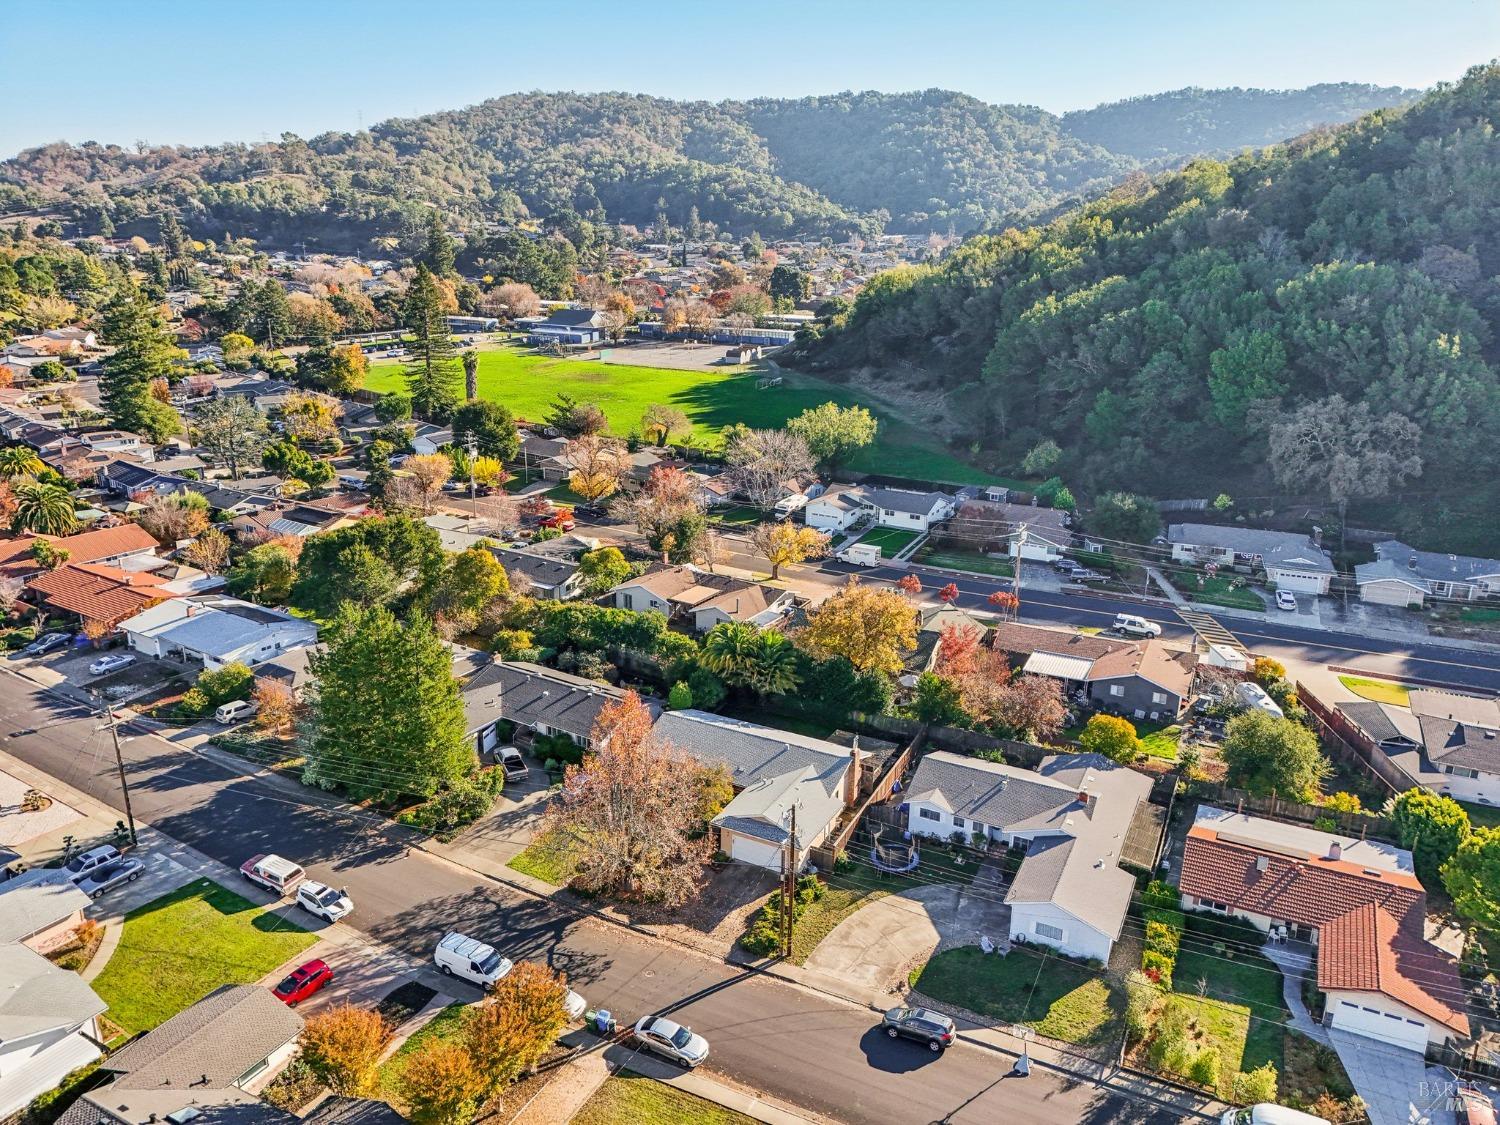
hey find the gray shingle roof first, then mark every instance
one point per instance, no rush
(537, 569)
(221, 1036)
(528, 694)
(764, 809)
(38, 996)
(353, 1111)
(1275, 548)
(901, 500)
(1383, 722)
(1394, 559)
(26, 909)
(1452, 743)
(988, 792)
(752, 752)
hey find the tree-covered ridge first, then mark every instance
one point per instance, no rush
(814, 167)
(1198, 122)
(1173, 330)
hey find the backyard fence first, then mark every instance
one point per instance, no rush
(884, 785)
(1352, 744)
(1350, 824)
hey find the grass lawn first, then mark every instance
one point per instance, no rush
(737, 515)
(548, 858)
(562, 494)
(1059, 999)
(1482, 816)
(1479, 615)
(644, 1101)
(1160, 742)
(444, 1025)
(176, 950)
(1218, 591)
(967, 560)
(1236, 990)
(712, 399)
(1381, 691)
(890, 540)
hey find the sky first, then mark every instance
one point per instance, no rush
(207, 71)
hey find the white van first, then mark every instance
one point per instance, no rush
(1268, 1114)
(470, 959)
(227, 714)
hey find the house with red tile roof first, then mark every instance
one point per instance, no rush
(106, 545)
(98, 594)
(1358, 901)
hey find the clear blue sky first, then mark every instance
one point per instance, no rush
(214, 70)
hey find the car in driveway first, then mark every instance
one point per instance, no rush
(111, 663)
(1286, 600)
(922, 1025)
(670, 1040)
(511, 763)
(323, 901)
(46, 643)
(304, 981)
(108, 876)
(81, 864)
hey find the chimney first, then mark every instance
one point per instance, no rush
(1335, 850)
(1261, 862)
(1317, 536)
(851, 787)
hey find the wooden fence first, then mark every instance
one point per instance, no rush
(1279, 808)
(1352, 744)
(884, 785)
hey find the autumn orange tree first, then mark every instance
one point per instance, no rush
(509, 1036)
(441, 1084)
(1014, 706)
(871, 627)
(342, 1046)
(276, 707)
(786, 544)
(630, 810)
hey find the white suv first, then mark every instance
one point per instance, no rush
(1132, 626)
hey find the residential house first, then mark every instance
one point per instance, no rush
(537, 448)
(1290, 561)
(99, 596)
(295, 520)
(265, 395)
(840, 508)
(1071, 815)
(212, 630)
(705, 599)
(1358, 901)
(1405, 576)
(216, 1055)
(537, 700)
(39, 913)
(996, 527)
(773, 771)
(547, 576)
(290, 669)
(931, 622)
(48, 1025)
(571, 327)
(109, 546)
(1140, 679)
(428, 438)
(1445, 741)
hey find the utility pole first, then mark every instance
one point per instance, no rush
(472, 449)
(1020, 542)
(114, 734)
(789, 888)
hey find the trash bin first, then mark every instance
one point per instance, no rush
(604, 1023)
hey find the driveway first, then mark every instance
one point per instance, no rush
(1398, 1086)
(876, 946)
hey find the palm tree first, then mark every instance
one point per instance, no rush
(19, 461)
(741, 655)
(775, 669)
(44, 509)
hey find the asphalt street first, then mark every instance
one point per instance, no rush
(777, 1038)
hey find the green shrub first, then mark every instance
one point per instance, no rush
(1158, 966)
(1206, 1067)
(194, 702)
(47, 1108)
(1161, 895)
(456, 807)
(680, 698)
(763, 938)
(1173, 920)
(1161, 938)
(1325, 824)
(1178, 1055)
(1140, 997)
(231, 682)
(560, 747)
(1258, 1085)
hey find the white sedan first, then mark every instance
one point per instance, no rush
(111, 663)
(326, 902)
(1287, 600)
(670, 1040)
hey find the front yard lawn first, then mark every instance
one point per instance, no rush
(1482, 816)
(1059, 999)
(1218, 591)
(1479, 615)
(644, 1101)
(1235, 990)
(967, 560)
(737, 515)
(549, 858)
(1379, 691)
(890, 540)
(444, 1025)
(176, 950)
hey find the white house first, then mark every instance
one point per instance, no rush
(428, 438)
(1290, 561)
(212, 630)
(47, 1026)
(1402, 575)
(1357, 901)
(1071, 815)
(1447, 742)
(837, 509)
(708, 599)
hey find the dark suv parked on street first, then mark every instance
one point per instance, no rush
(932, 1028)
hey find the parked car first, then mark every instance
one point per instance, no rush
(1265, 1113)
(670, 1040)
(511, 763)
(1065, 565)
(1132, 626)
(275, 874)
(304, 981)
(235, 711)
(1286, 600)
(81, 864)
(470, 959)
(111, 663)
(921, 1024)
(562, 519)
(328, 903)
(1084, 574)
(108, 876)
(46, 643)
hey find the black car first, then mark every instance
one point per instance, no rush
(46, 643)
(932, 1028)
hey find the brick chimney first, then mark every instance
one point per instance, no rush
(851, 786)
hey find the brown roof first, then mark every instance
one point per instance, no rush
(1110, 659)
(98, 593)
(1367, 950)
(1309, 890)
(85, 547)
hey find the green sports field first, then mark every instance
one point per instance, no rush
(712, 399)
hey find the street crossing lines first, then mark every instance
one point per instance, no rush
(1208, 627)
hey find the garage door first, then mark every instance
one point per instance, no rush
(1299, 583)
(490, 738)
(758, 852)
(1389, 1027)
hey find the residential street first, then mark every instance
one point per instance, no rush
(788, 1042)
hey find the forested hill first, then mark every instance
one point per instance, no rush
(1319, 318)
(1198, 122)
(810, 167)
